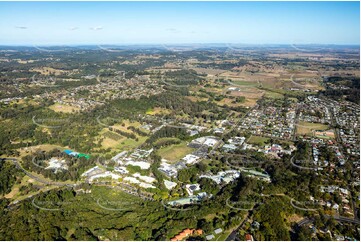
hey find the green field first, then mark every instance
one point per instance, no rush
(176, 152)
(258, 140)
(246, 83)
(307, 128)
(161, 140)
(270, 94)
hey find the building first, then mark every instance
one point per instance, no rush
(169, 184)
(191, 159)
(210, 237)
(191, 188)
(249, 237)
(229, 147)
(185, 233)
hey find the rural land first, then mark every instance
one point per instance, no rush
(180, 142)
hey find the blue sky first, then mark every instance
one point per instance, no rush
(53, 23)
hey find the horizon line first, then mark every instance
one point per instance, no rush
(167, 44)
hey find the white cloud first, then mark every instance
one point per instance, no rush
(97, 28)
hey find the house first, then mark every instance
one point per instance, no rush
(229, 147)
(185, 233)
(121, 169)
(169, 184)
(190, 159)
(193, 132)
(218, 130)
(218, 231)
(118, 156)
(210, 237)
(249, 237)
(255, 224)
(339, 237)
(191, 188)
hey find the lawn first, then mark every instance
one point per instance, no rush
(46, 147)
(166, 139)
(271, 94)
(157, 110)
(246, 83)
(327, 134)
(176, 152)
(63, 108)
(120, 143)
(258, 140)
(307, 128)
(125, 124)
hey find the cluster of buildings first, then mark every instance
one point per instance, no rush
(233, 144)
(76, 154)
(315, 110)
(122, 160)
(201, 145)
(344, 207)
(189, 200)
(56, 165)
(215, 232)
(277, 150)
(272, 121)
(347, 117)
(104, 89)
(223, 177)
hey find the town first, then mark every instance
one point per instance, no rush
(224, 140)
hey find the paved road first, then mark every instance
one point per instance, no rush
(304, 221)
(124, 187)
(344, 219)
(233, 235)
(337, 218)
(36, 177)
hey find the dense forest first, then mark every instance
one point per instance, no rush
(352, 93)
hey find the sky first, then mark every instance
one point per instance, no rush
(72, 23)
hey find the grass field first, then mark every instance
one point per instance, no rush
(271, 94)
(246, 83)
(257, 140)
(63, 108)
(46, 147)
(327, 134)
(127, 123)
(161, 140)
(307, 128)
(176, 152)
(157, 110)
(117, 142)
(48, 70)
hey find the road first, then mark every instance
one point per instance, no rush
(233, 127)
(337, 218)
(233, 235)
(345, 219)
(304, 222)
(120, 186)
(17, 164)
(295, 83)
